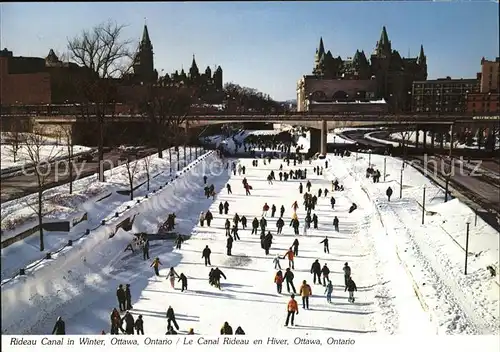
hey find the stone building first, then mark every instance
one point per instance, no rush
(384, 75)
(488, 97)
(23, 81)
(208, 85)
(443, 94)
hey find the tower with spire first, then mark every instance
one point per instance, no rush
(393, 73)
(143, 62)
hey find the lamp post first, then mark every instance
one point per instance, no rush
(466, 246)
(401, 184)
(423, 207)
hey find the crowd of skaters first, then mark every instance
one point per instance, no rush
(215, 275)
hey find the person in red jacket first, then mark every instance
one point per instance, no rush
(292, 309)
(265, 208)
(290, 255)
(278, 280)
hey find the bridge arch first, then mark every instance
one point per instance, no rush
(340, 95)
(318, 95)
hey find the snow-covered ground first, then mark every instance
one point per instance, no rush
(59, 204)
(85, 293)
(434, 253)
(53, 150)
(411, 136)
(336, 138)
(409, 276)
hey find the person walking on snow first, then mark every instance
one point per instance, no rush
(229, 244)
(326, 192)
(236, 219)
(184, 280)
(129, 323)
(278, 280)
(265, 208)
(332, 202)
(292, 309)
(139, 325)
(227, 226)
(221, 208)
(205, 180)
(320, 191)
(305, 291)
(347, 273)
(351, 287)
(255, 225)
(295, 246)
(229, 191)
(208, 217)
(290, 256)
(388, 193)
(289, 280)
(145, 249)
(171, 318)
(316, 271)
(156, 262)
(282, 211)
(276, 262)
(308, 186)
(325, 271)
(202, 219)
(273, 210)
(263, 225)
(128, 297)
(206, 254)
(301, 188)
(216, 276)
(178, 242)
(328, 291)
(172, 275)
(116, 322)
(295, 206)
(315, 221)
(336, 223)
(243, 222)
(234, 232)
(226, 207)
(279, 225)
(325, 245)
(120, 295)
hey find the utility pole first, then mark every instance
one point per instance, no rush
(385, 163)
(401, 185)
(423, 207)
(451, 140)
(446, 189)
(466, 247)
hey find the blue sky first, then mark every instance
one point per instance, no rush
(268, 46)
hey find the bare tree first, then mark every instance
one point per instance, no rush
(106, 56)
(41, 154)
(65, 134)
(147, 167)
(403, 137)
(166, 109)
(14, 141)
(131, 164)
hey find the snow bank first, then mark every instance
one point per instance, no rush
(59, 203)
(434, 254)
(78, 275)
(46, 151)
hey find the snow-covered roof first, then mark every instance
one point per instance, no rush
(381, 101)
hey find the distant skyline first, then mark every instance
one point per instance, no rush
(268, 45)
